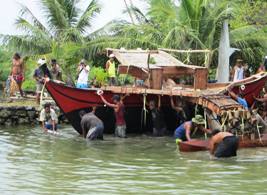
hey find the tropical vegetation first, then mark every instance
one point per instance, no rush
(176, 24)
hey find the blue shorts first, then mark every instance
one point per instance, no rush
(82, 85)
(50, 126)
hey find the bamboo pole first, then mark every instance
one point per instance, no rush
(186, 51)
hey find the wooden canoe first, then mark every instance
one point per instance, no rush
(201, 145)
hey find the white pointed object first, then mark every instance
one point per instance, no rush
(225, 52)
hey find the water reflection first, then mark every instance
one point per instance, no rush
(36, 163)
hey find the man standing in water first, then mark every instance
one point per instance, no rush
(182, 133)
(118, 107)
(223, 144)
(48, 117)
(159, 127)
(92, 126)
(111, 70)
(17, 71)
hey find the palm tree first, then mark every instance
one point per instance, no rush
(187, 25)
(65, 22)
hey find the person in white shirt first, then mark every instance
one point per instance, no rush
(48, 117)
(83, 74)
(238, 70)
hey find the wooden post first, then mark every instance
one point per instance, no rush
(156, 78)
(200, 79)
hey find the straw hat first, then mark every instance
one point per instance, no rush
(199, 120)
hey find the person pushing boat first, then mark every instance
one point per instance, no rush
(119, 109)
(182, 133)
(223, 144)
(92, 126)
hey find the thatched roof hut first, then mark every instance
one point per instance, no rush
(156, 65)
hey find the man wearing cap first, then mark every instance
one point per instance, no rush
(182, 133)
(119, 109)
(83, 74)
(238, 70)
(40, 73)
(223, 144)
(111, 69)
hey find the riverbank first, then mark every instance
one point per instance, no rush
(20, 112)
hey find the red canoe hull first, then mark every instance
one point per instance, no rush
(202, 145)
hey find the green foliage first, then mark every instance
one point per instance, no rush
(124, 79)
(98, 75)
(29, 84)
(5, 64)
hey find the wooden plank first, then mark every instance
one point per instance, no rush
(134, 71)
(173, 71)
(200, 79)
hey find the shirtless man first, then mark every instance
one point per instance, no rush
(223, 144)
(17, 71)
(92, 126)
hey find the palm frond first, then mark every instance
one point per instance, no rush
(85, 20)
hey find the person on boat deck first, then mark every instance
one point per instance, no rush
(180, 112)
(56, 72)
(48, 117)
(83, 74)
(17, 71)
(240, 99)
(119, 109)
(92, 126)
(39, 74)
(238, 70)
(158, 122)
(111, 69)
(223, 144)
(182, 133)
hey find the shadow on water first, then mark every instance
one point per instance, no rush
(36, 163)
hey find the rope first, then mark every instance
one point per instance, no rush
(259, 133)
(205, 118)
(224, 121)
(187, 60)
(144, 111)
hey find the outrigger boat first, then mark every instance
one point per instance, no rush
(155, 67)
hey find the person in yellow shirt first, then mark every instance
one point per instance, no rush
(111, 70)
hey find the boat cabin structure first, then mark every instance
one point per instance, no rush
(155, 66)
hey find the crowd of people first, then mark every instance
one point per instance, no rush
(92, 127)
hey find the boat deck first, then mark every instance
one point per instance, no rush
(209, 98)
